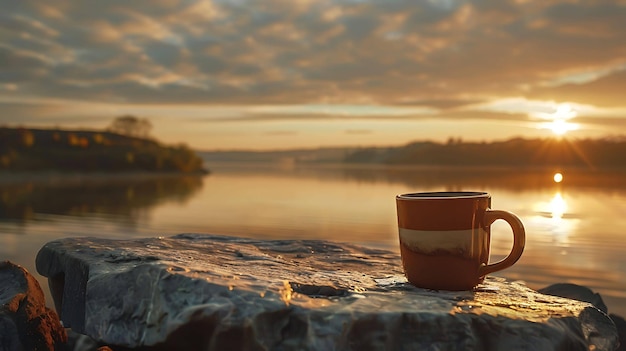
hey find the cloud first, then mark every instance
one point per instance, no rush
(282, 132)
(437, 54)
(618, 124)
(18, 66)
(51, 114)
(606, 91)
(358, 131)
(22, 24)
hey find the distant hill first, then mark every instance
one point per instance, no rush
(605, 153)
(518, 152)
(320, 155)
(26, 149)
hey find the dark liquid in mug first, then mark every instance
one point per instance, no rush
(440, 271)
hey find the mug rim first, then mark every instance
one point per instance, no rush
(443, 195)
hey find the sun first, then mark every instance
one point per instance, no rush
(558, 177)
(559, 124)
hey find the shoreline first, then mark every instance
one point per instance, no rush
(55, 177)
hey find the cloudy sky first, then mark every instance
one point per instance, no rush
(223, 74)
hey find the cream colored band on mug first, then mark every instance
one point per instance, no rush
(427, 241)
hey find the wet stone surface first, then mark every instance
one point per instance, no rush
(209, 292)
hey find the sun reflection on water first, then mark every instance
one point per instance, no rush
(553, 217)
(557, 207)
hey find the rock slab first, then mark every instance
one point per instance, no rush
(209, 292)
(25, 321)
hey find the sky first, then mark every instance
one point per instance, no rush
(278, 74)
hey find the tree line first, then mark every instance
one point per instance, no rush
(122, 147)
(517, 152)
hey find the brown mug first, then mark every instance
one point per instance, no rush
(445, 238)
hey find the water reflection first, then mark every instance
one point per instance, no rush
(448, 178)
(576, 230)
(122, 198)
(553, 217)
(558, 206)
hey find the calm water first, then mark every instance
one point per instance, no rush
(576, 230)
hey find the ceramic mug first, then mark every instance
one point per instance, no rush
(445, 238)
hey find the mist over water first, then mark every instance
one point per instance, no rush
(576, 231)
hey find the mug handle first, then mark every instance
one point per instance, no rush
(519, 240)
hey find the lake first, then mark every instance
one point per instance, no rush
(576, 229)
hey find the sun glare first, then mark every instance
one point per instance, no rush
(558, 177)
(559, 124)
(564, 111)
(558, 207)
